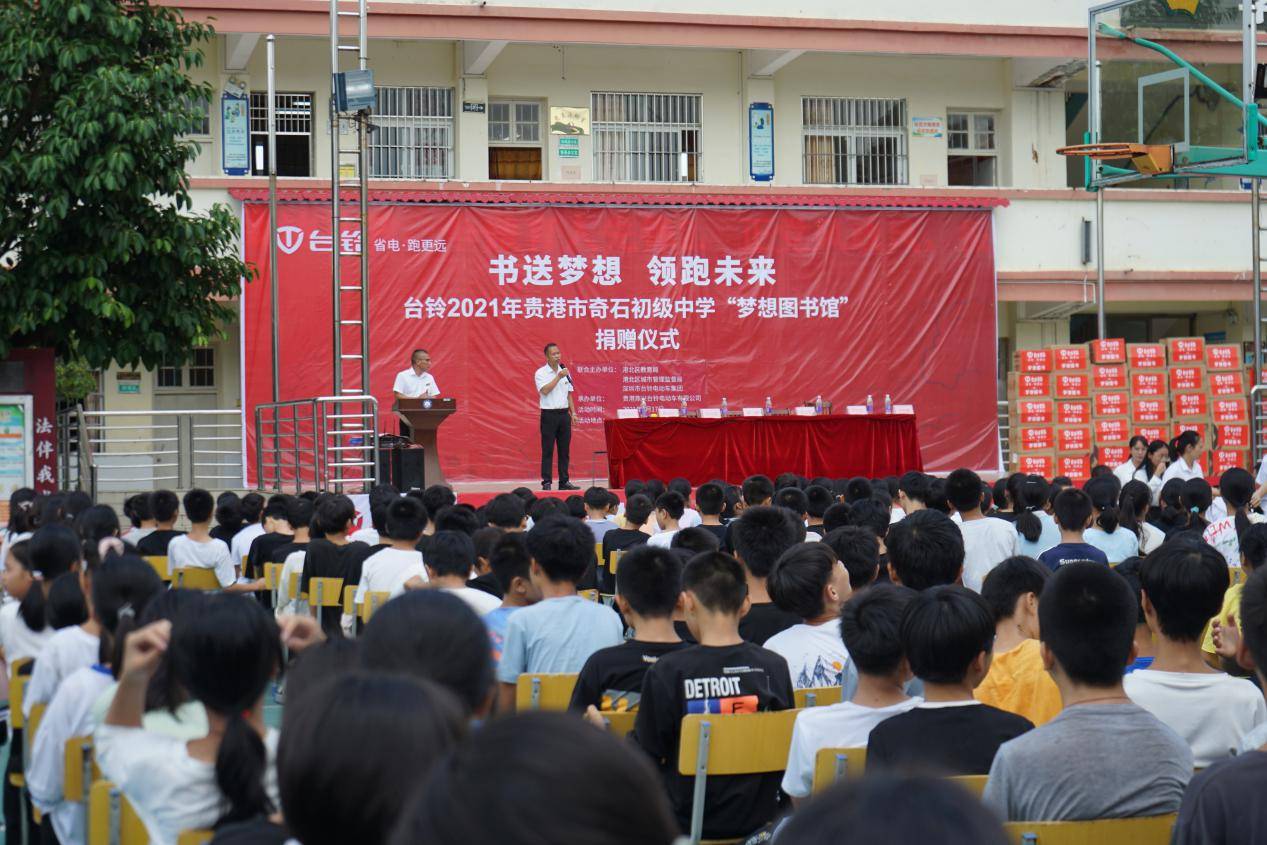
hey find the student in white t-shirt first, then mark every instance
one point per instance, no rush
(225, 656)
(449, 563)
(810, 582)
(668, 511)
(1134, 503)
(388, 570)
(199, 550)
(1182, 589)
(1236, 488)
(24, 626)
(987, 541)
(1187, 450)
(252, 511)
(869, 626)
(690, 517)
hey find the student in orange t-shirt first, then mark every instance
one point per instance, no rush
(1017, 681)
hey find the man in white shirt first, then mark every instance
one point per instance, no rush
(387, 571)
(416, 382)
(558, 413)
(987, 541)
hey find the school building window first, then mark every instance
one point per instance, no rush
(972, 152)
(413, 133)
(293, 113)
(200, 371)
(646, 137)
(853, 141)
(514, 139)
(199, 125)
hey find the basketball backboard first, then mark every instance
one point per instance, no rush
(1172, 72)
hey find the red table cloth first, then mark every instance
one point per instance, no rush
(734, 448)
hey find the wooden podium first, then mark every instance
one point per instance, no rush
(423, 416)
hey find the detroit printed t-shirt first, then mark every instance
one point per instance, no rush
(742, 678)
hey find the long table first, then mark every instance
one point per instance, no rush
(701, 450)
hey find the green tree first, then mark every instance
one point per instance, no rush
(103, 256)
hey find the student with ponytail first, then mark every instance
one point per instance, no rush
(1170, 516)
(1185, 450)
(1106, 532)
(1036, 530)
(1133, 506)
(1195, 499)
(121, 588)
(224, 656)
(1236, 487)
(58, 567)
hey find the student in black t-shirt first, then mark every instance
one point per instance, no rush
(817, 500)
(329, 551)
(695, 541)
(625, 536)
(756, 491)
(710, 501)
(723, 674)
(485, 540)
(859, 551)
(164, 506)
(277, 533)
(760, 535)
(947, 635)
(793, 499)
(925, 550)
(648, 587)
(299, 513)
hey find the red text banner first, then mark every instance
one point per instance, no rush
(654, 304)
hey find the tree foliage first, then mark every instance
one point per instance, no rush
(111, 263)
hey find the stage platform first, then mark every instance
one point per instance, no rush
(476, 493)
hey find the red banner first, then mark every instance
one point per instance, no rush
(658, 304)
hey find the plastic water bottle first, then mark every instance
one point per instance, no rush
(888, 404)
(725, 410)
(682, 406)
(870, 404)
(818, 405)
(642, 409)
(769, 406)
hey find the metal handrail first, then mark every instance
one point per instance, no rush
(1005, 435)
(1258, 443)
(307, 449)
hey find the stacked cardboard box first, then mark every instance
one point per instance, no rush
(1073, 407)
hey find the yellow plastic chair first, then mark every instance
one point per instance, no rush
(817, 696)
(111, 819)
(543, 691)
(195, 837)
(1151, 830)
(195, 578)
(371, 603)
(1236, 575)
(731, 744)
(324, 592)
(613, 560)
(17, 694)
(159, 562)
(589, 595)
(973, 783)
(620, 724)
(292, 588)
(79, 768)
(33, 721)
(833, 764)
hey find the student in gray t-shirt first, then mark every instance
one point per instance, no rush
(1103, 756)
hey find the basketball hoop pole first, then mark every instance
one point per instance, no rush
(1101, 321)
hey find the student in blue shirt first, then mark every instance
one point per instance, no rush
(1107, 534)
(1072, 510)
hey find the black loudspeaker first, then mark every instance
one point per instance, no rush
(402, 468)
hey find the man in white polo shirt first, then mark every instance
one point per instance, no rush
(415, 383)
(558, 412)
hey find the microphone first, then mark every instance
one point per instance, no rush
(563, 366)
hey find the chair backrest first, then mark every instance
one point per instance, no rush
(372, 602)
(973, 783)
(273, 575)
(817, 696)
(589, 595)
(325, 592)
(195, 837)
(292, 587)
(1151, 830)
(539, 691)
(833, 764)
(195, 578)
(17, 692)
(159, 562)
(1236, 574)
(111, 819)
(613, 560)
(349, 599)
(620, 724)
(735, 743)
(79, 768)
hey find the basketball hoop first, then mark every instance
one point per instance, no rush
(1148, 159)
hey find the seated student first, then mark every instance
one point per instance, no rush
(870, 514)
(925, 550)
(1017, 681)
(858, 550)
(1107, 534)
(56, 553)
(1134, 503)
(710, 500)
(1236, 488)
(252, 506)
(1195, 498)
(511, 565)
(1036, 530)
(794, 501)
(759, 536)
(626, 535)
(756, 491)
(119, 582)
(1253, 551)
(912, 492)
(1103, 756)
(506, 511)
(669, 508)
(388, 570)
(695, 541)
(277, 533)
(137, 510)
(225, 656)
(1144, 646)
(946, 633)
(560, 632)
(449, 563)
(613, 796)
(1072, 509)
(382, 495)
(301, 513)
(869, 625)
(199, 550)
(329, 551)
(986, 541)
(722, 674)
(164, 506)
(1222, 804)
(817, 500)
(648, 589)
(596, 503)
(1183, 586)
(485, 539)
(810, 582)
(837, 516)
(229, 518)
(691, 518)
(1169, 516)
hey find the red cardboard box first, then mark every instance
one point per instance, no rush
(1035, 438)
(1112, 456)
(1146, 356)
(1221, 460)
(1229, 410)
(1186, 350)
(1233, 435)
(1108, 377)
(1223, 356)
(1077, 412)
(1032, 360)
(1149, 411)
(1202, 428)
(1111, 404)
(1074, 467)
(1033, 412)
(1066, 358)
(1151, 432)
(1111, 432)
(1073, 439)
(1108, 351)
(1071, 385)
(1186, 379)
(1029, 386)
(1229, 383)
(1036, 463)
(1191, 406)
(1148, 383)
